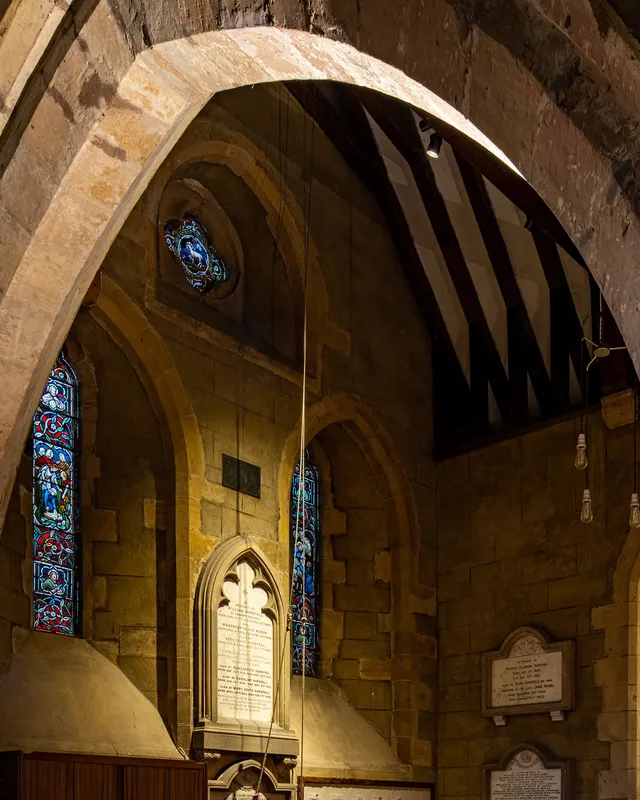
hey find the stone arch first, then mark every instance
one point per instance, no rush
(618, 674)
(153, 356)
(221, 145)
(126, 322)
(229, 775)
(377, 447)
(159, 95)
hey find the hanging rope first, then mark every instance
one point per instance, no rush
(300, 515)
(299, 502)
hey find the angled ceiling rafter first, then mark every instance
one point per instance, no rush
(399, 126)
(525, 356)
(342, 119)
(566, 328)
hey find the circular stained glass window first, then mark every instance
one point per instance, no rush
(189, 243)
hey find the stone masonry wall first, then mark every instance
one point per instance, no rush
(122, 493)
(513, 552)
(356, 596)
(378, 624)
(249, 409)
(124, 529)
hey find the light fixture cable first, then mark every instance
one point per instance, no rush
(586, 512)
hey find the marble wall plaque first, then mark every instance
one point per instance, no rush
(525, 774)
(315, 790)
(245, 651)
(528, 674)
(523, 679)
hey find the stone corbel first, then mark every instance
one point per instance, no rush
(206, 756)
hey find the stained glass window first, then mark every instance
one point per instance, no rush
(305, 537)
(188, 241)
(55, 448)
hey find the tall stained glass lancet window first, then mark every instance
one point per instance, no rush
(306, 567)
(55, 516)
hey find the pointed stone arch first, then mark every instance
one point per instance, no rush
(229, 776)
(377, 446)
(127, 324)
(379, 449)
(215, 143)
(210, 727)
(156, 100)
(618, 675)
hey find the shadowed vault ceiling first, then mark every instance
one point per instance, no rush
(504, 294)
(627, 10)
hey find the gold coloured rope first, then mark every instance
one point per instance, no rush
(299, 504)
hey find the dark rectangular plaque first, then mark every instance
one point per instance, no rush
(241, 476)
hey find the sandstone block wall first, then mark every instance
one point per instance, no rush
(122, 488)
(378, 621)
(513, 552)
(124, 527)
(249, 409)
(356, 587)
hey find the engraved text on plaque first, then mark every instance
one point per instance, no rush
(528, 675)
(526, 778)
(245, 651)
(534, 678)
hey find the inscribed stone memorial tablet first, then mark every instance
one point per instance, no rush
(524, 774)
(245, 651)
(527, 675)
(521, 680)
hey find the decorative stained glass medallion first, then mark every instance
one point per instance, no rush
(189, 243)
(305, 537)
(55, 435)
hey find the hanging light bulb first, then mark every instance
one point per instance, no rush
(581, 452)
(634, 512)
(586, 514)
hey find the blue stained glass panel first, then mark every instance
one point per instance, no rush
(305, 535)
(53, 501)
(188, 241)
(53, 580)
(55, 516)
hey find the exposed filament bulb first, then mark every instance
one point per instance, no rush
(586, 513)
(634, 512)
(581, 452)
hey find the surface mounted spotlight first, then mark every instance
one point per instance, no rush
(435, 143)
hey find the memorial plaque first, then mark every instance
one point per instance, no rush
(241, 476)
(528, 675)
(245, 651)
(526, 774)
(240, 638)
(316, 789)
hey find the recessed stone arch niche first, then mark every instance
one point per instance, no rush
(239, 780)
(240, 650)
